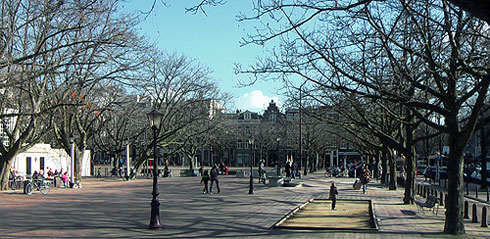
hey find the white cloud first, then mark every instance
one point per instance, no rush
(255, 101)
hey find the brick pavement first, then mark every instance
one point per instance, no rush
(110, 208)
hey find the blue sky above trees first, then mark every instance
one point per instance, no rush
(213, 40)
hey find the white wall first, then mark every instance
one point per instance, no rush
(56, 159)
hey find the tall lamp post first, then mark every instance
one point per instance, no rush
(155, 117)
(251, 183)
(72, 155)
(278, 172)
(128, 163)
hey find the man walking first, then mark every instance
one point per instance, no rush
(214, 178)
(365, 175)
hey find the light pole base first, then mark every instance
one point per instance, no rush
(251, 185)
(155, 215)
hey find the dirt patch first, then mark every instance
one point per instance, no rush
(317, 214)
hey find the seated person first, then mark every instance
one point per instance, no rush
(35, 175)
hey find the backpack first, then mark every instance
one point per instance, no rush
(214, 173)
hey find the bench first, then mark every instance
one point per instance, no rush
(430, 203)
(186, 173)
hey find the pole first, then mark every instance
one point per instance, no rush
(155, 202)
(251, 183)
(72, 171)
(300, 130)
(278, 166)
(127, 162)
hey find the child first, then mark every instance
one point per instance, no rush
(205, 179)
(333, 195)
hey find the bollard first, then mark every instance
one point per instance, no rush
(484, 217)
(467, 189)
(441, 196)
(424, 191)
(476, 192)
(466, 213)
(474, 216)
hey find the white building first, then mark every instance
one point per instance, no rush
(42, 156)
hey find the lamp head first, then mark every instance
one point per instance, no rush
(155, 118)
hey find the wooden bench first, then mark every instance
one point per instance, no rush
(430, 203)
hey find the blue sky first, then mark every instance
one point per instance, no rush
(214, 40)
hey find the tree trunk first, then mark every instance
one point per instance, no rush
(484, 138)
(411, 175)
(392, 163)
(317, 161)
(142, 159)
(5, 165)
(4, 173)
(384, 167)
(79, 154)
(191, 161)
(454, 214)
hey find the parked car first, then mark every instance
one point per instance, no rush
(430, 172)
(443, 172)
(476, 176)
(420, 170)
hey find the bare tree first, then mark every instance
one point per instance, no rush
(41, 43)
(183, 91)
(431, 51)
(94, 84)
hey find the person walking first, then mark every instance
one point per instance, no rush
(205, 180)
(261, 172)
(288, 168)
(365, 175)
(214, 179)
(98, 172)
(333, 195)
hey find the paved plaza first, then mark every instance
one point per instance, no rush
(112, 208)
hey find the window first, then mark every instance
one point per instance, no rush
(28, 166)
(239, 144)
(41, 163)
(247, 116)
(247, 130)
(240, 131)
(272, 117)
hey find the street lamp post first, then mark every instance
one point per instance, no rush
(72, 155)
(128, 163)
(278, 169)
(155, 117)
(251, 183)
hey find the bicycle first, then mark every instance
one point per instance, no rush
(39, 184)
(15, 183)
